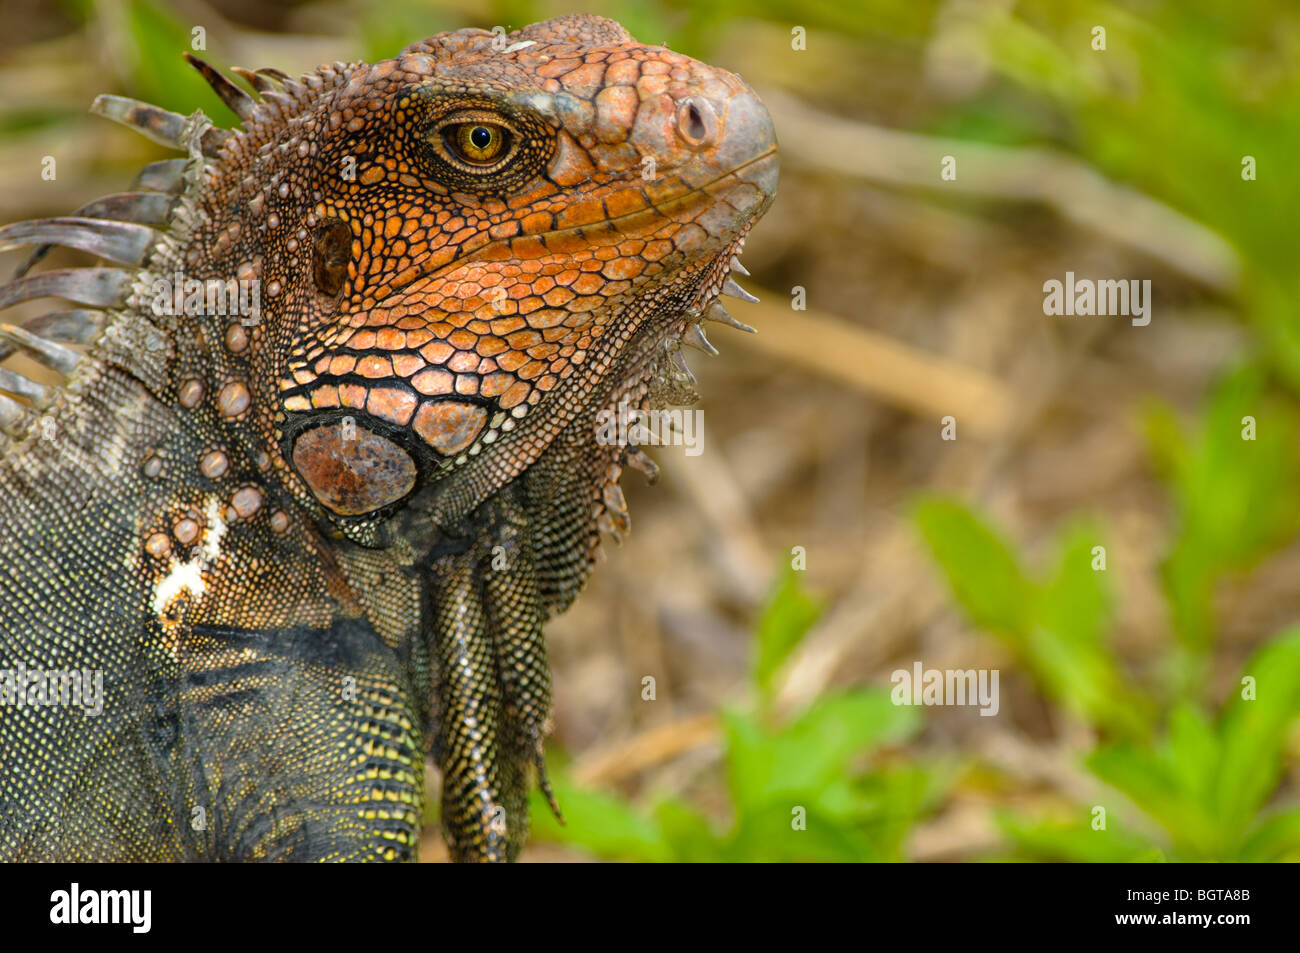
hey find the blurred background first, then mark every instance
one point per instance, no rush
(723, 686)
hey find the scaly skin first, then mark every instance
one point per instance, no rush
(311, 546)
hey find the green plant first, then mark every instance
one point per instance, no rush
(814, 786)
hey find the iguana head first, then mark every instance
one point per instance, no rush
(465, 248)
(454, 261)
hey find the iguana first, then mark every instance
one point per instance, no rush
(330, 459)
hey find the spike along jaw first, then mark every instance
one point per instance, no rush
(502, 231)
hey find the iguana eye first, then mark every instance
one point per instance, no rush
(476, 143)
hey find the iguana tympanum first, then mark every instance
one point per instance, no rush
(331, 458)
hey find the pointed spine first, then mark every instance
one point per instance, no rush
(123, 242)
(52, 355)
(238, 101)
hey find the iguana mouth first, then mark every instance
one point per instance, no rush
(664, 208)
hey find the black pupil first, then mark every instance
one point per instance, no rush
(481, 136)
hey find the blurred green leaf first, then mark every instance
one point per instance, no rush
(1054, 840)
(979, 566)
(601, 823)
(788, 616)
(1234, 497)
(1058, 629)
(1254, 732)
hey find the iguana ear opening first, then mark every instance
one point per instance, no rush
(330, 256)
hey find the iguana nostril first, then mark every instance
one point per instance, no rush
(697, 123)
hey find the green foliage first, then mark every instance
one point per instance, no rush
(812, 787)
(1235, 498)
(790, 613)
(1056, 627)
(1205, 781)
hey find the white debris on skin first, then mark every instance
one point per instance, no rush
(188, 575)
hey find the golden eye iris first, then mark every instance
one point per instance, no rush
(478, 143)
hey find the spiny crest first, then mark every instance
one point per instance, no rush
(128, 229)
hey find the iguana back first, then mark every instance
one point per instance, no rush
(331, 459)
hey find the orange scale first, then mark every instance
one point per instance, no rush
(531, 304)
(450, 426)
(532, 369)
(325, 396)
(493, 385)
(374, 367)
(516, 393)
(486, 366)
(433, 381)
(586, 303)
(391, 404)
(551, 317)
(567, 277)
(558, 297)
(657, 250)
(342, 364)
(512, 360)
(522, 339)
(591, 264)
(567, 243)
(623, 268)
(537, 222)
(437, 352)
(362, 340)
(353, 395)
(466, 384)
(504, 326)
(390, 339)
(589, 284)
(489, 345)
(404, 365)
(462, 340)
(543, 350)
(479, 327)
(463, 362)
